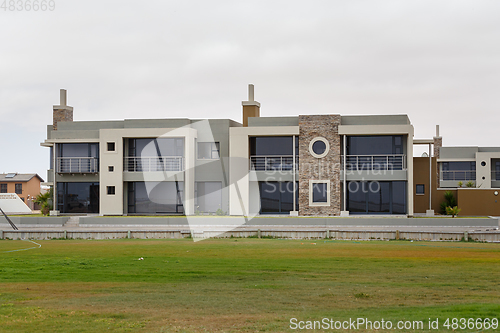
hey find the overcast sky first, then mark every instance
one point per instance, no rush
(437, 61)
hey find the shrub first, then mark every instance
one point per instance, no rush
(470, 184)
(450, 201)
(452, 211)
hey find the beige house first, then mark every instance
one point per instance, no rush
(25, 185)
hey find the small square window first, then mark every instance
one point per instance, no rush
(111, 168)
(111, 146)
(111, 190)
(420, 189)
(319, 193)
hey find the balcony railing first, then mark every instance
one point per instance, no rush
(77, 165)
(273, 163)
(495, 175)
(375, 162)
(153, 164)
(458, 175)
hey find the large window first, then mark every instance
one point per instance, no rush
(78, 197)
(457, 171)
(376, 197)
(277, 197)
(78, 157)
(208, 150)
(375, 145)
(3, 188)
(156, 197)
(273, 153)
(156, 147)
(208, 197)
(151, 155)
(19, 188)
(273, 145)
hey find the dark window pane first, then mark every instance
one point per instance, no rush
(319, 192)
(271, 145)
(356, 197)
(78, 197)
(111, 190)
(19, 188)
(286, 197)
(399, 197)
(3, 188)
(420, 189)
(378, 197)
(269, 197)
(111, 146)
(319, 147)
(370, 145)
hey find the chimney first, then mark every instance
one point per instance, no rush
(251, 108)
(438, 142)
(61, 112)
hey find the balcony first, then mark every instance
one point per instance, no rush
(77, 165)
(458, 175)
(374, 162)
(154, 164)
(273, 163)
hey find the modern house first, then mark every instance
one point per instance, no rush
(306, 165)
(25, 185)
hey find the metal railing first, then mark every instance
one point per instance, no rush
(458, 175)
(273, 163)
(374, 162)
(153, 164)
(77, 165)
(495, 175)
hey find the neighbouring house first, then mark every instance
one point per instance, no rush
(25, 185)
(304, 165)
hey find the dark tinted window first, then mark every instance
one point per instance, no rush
(375, 145)
(320, 192)
(459, 166)
(420, 189)
(19, 189)
(3, 188)
(78, 150)
(377, 197)
(319, 147)
(277, 197)
(78, 197)
(273, 145)
(111, 190)
(111, 146)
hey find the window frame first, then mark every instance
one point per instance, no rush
(16, 188)
(2, 186)
(217, 149)
(417, 187)
(328, 198)
(108, 143)
(110, 190)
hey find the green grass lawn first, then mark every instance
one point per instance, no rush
(241, 285)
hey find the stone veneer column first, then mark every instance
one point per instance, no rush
(326, 168)
(61, 112)
(438, 143)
